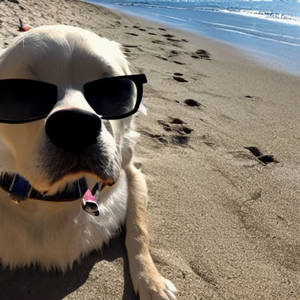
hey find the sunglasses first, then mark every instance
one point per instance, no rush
(24, 100)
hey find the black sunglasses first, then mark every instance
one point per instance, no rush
(24, 100)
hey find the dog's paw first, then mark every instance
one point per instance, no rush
(156, 288)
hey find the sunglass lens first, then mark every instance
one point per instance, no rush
(24, 100)
(111, 97)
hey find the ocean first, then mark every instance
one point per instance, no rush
(268, 30)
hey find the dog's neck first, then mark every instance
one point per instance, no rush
(20, 189)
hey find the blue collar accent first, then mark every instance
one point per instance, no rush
(20, 189)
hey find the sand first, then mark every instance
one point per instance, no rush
(220, 151)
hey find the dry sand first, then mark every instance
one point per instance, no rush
(224, 221)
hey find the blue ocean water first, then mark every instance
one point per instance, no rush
(269, 30)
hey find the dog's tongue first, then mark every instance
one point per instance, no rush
(93, 185)
(88, 196)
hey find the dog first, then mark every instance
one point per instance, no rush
(68, 102)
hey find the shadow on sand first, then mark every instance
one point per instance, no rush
(32, 283)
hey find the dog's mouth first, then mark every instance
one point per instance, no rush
(60, 170)
(66, 176)
(59, 175)
(69, 188)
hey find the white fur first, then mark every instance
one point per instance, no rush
(54, 235)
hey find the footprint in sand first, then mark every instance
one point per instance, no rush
(178, 62)
(264, 158)
(139, 28)
(178, 77)
(130, 46)
(176, 121)
(174, 52)
(192, 103)
(180, 140)
(158, 42)
(131, 33)
(179, 131)
(186, 130)
(173, 40)
(167, 35)
(201, 54)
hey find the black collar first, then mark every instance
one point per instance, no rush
(20, 189)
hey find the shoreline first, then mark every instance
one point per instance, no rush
(262, 59)
(220, 152)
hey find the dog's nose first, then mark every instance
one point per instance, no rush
(73, 129)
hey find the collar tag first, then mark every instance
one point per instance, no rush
(19, 188)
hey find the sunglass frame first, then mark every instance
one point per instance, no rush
(138, 79)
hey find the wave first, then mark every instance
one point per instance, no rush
(270, 16)
(266, 15)
(265, 12)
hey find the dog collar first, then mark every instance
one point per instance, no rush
(20, 189)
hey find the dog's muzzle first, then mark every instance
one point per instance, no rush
(73, 129)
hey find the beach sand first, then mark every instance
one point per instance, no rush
(220, 148)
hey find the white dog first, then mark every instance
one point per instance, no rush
(66, 109)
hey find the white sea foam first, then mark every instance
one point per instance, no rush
(270, 16)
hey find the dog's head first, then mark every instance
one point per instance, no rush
(78, 118)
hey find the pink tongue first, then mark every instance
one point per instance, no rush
(88, 196)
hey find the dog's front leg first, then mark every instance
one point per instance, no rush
(146, 279)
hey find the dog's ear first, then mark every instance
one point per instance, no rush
(22, 27)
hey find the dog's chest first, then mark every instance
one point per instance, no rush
(55, 236)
